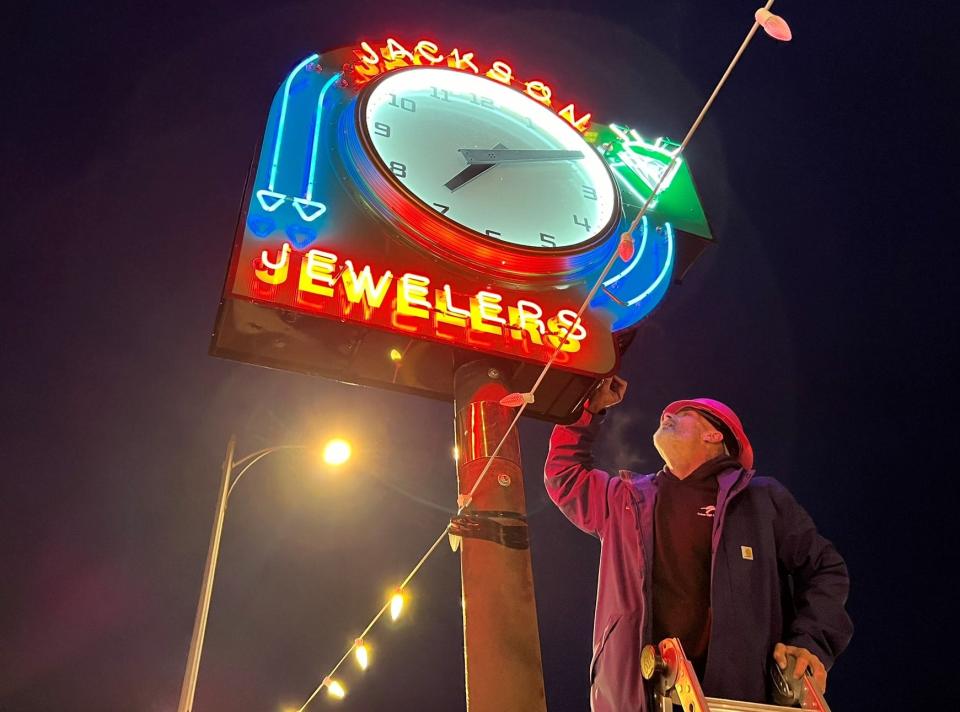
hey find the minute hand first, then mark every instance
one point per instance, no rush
(480, 156)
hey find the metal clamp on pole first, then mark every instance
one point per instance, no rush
(675, 682)
(485, 525)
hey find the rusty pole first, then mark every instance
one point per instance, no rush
(501, 642)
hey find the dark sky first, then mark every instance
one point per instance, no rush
(823, 318)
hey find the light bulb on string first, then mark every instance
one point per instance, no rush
(334, 688)
(773, 25)
(513, 400)
(625, 249)
(362, 653)
(396, 604)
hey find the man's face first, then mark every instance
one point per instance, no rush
(682, 432)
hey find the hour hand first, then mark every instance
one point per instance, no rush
(470, 172)
(480, 156)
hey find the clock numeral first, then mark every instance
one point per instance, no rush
(493, 233)
(441, 94)
(481, 101)
(585, 224)
(550, 240)
(528, 121)
(381, 129)
(404, 103)
(398, 169)
(589, 192)
(443, 208)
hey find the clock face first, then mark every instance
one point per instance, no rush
(490, 158)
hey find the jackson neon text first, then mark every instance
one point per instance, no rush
(372, 62)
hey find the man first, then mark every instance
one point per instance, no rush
(704, 551)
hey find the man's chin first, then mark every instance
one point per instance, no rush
(662, 435)
(659, 441)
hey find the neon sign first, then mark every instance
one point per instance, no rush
(268, 197)
(375, 225)
(638, 164)
(392, 55)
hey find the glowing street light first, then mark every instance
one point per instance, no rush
(336, 452)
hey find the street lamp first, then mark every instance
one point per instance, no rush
(336, 452)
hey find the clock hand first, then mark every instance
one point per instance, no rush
(480, 160)
(479, 156)
(470, 172)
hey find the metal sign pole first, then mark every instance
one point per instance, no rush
(501, 641)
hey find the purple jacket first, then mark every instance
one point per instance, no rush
(792, 590)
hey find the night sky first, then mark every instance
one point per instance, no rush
(822, 317)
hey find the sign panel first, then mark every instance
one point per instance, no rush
(412, 207)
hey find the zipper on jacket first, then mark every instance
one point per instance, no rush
(635, 503)
(716, 537)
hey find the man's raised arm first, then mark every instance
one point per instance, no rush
(581, 491)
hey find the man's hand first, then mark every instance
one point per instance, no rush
(805, 659)
(611, 391)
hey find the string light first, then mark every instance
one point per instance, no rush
(625, 249)
(362, 653)
(334, 688)
(395, 604)
(395, 355)
(512, 400)
(773, 25)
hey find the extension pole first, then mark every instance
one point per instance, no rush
(501, 641)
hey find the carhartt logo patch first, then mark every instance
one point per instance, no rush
(746, 552)
(707, 511)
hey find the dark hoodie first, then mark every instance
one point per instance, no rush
(682, 530)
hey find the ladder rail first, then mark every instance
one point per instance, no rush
(718, 704)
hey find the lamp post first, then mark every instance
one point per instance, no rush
(336, 452)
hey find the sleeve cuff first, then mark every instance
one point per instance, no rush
(805, 640)
(587, 418)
